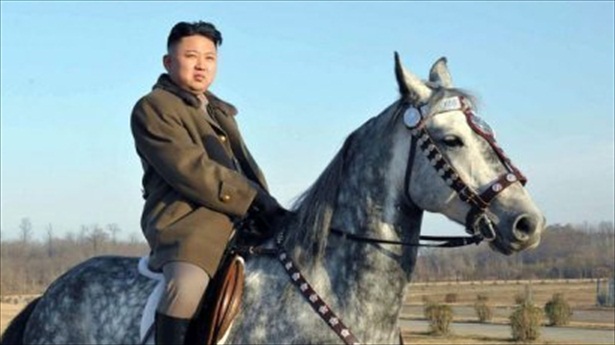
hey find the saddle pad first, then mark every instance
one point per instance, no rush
(149, 311)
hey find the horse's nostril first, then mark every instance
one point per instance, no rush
(524, 227)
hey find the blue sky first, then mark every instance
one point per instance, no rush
(303, 75)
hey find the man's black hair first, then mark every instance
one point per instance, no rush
(184, 29)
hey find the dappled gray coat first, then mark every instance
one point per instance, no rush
(195, 174)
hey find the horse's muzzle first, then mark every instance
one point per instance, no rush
(525, 233)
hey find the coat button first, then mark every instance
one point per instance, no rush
(225, 197)
(223, 138)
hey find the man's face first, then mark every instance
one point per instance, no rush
(192, 62)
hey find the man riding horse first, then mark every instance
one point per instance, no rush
(338, 269)
(198, 176)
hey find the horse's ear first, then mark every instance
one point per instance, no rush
(410, 86)
(440, 75)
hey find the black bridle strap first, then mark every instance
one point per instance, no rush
(411, 155)
(449, 241)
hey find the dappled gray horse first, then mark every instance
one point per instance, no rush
(428, 151)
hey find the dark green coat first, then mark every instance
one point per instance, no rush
(195, 174)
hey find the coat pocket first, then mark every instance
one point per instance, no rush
(173, 213)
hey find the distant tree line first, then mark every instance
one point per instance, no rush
(28, 266)
(565, 252)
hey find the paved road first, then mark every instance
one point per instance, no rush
(554, 334)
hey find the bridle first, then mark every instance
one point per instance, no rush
(478, 223)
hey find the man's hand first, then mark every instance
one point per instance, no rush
(266, 213)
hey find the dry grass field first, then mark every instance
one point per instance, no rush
(580, 294)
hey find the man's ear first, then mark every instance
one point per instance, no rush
(166, 62)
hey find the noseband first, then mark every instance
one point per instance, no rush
(478, 222)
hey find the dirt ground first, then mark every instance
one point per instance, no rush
(8, 311)
(580, 294)
(421, 338)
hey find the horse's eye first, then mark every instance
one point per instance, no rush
(452, 141)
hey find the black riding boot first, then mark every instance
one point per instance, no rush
(170, 330)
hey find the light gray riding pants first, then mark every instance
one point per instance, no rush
(185, 285)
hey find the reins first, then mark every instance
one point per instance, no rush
(449, 241)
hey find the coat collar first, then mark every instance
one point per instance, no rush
(165, 83)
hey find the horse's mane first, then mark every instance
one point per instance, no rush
(314, 208)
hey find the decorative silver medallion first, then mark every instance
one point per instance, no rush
(412, 117)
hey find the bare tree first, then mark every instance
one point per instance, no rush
(97, 237)
(25, 228)
(134, 238)
(83, 233)
(113, 228)
(49, 240)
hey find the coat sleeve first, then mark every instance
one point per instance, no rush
(163, 142)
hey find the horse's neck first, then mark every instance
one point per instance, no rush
(369, 280)
(366, 282)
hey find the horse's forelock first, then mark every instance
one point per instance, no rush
(442, 93)
(438, 94)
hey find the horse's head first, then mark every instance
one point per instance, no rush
(457, 169)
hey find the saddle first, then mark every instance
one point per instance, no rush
(220, 303)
